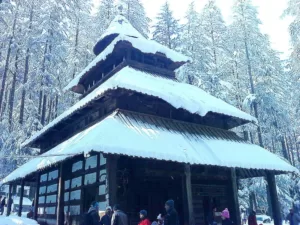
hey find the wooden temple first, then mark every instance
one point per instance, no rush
(138, 137)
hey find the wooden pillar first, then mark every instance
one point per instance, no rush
(274, 198)
(36, 196)
(21, 198)
(9, 199)
(187, 197)
(60, 197)
(112, 167)
(235, 210)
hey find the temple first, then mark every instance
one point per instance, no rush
(138, 137)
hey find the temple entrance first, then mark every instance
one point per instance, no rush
(89, 194)
(149, 187)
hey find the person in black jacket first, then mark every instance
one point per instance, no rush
(106, 219)
(171, 217)
(92, 217)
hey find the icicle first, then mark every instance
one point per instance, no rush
(123, 58)
(114, 66)
(102, 75)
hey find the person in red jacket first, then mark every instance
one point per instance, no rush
(143, 217)
(252, 218)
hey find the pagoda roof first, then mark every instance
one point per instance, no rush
(125, 32)
(145, 136)
(120, 25)
(177, 94)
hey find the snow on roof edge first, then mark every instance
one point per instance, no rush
(136, 43)
(112, 84)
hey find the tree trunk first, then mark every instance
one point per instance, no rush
(260, 140)
(26, 71)
(297, 147)
(284, 150)
(290, 148)
(6, 67)
(44, 108)
(42, 81)
(12, 92)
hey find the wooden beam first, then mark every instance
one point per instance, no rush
(234, 192)
(21, 198)
(9, 199)
(274, 198)
(60, 196)
(111, 170)
(187, 196)
(36, 197)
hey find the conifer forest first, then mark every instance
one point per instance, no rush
(45, 44)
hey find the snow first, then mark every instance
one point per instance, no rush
(128, 33)
(137, 135)
(120, 25)
(179, 95)
(15, 220)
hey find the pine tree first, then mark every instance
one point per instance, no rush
(166, 30)
(134, 11)
(106, 13)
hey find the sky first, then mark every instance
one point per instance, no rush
(270, 12)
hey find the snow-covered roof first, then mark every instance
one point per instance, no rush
(179, 95)
(145, 136)
(120, 25)
(128, 33)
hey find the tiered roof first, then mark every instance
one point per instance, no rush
(162, 139)
(121, 30)
(179, 95)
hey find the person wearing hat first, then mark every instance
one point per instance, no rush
(106, 219)
(171, 217)
(226, 217)
(252, 218)
(92, 216)
(119, 217)
(144, 219)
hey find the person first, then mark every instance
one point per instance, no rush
(106, 219)
(92, 216)
(144, 219)
(160, 220)
(119, 217)
(0, 204)
(3, 204)
(295, 219)
(243, 216)
(171, 218)
(30, 214)
(226, 217)
(289, 217)
(252, 218)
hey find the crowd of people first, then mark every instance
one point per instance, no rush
(116, 216)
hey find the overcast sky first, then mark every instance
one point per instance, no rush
(270, 12)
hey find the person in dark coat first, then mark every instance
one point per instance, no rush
(106, 219)
(289, 217)
(144, 219)
(171, 218)
(226, 217)
(3, 203)
(252, 218)
(93, 214)
(119, 217)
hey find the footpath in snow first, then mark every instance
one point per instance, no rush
(15, 220)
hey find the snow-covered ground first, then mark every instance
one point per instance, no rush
(15, 220)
